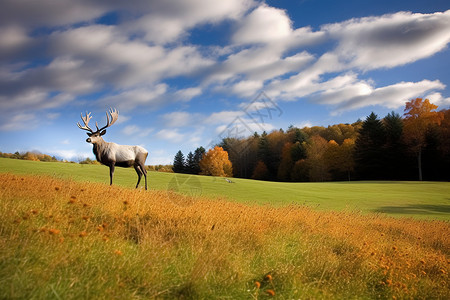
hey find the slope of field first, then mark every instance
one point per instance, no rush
(64, 239)
(430, 200)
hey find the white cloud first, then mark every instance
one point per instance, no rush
(392, 96)
(49, 13)
(223, 117)
(171, 135)
(179, 119)
(140, 96)
(167, 21)
(12, 38)
(390, 40)
(188, 93)
(264, 25)
(137, 131)
(131, 64)
(19, 121)
(439, 100)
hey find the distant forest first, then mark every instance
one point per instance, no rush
(415, 146)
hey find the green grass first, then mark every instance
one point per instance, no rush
(429, 200)
(65, 239)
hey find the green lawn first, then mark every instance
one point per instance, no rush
(430, 200)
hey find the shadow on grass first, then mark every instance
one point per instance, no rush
(415, 209)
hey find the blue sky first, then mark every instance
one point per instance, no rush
(184, 74)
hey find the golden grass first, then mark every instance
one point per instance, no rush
(65, 239)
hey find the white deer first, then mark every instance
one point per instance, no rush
(112, 154)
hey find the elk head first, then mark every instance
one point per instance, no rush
(95, 136)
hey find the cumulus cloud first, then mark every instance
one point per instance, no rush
(361, 94)
(135, 130)
(179, 119)
(170, 135)
(166, 21)
(142, 96)
(390, 40)
(133, 61)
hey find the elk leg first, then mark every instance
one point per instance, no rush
(111, 172)
(144, 171)
(139, 173)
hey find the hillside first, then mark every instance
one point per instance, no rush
(408, 199)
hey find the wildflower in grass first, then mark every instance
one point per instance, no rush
(257, 284)
(34, 212)
(442, 271)
(423, 272)
(118, 252)
(270, 293)
(422, 261)
(388, 282)
(268, 277)
(83, 234)
(53, 231)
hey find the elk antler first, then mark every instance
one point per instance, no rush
(86, 122)
(109, 120)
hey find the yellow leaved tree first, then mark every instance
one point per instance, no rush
(420, 115)
(216, 163)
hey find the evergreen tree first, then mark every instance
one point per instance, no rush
(179, 163)
(198, 155)
(190, 163)
(396, 158)
(369, 152)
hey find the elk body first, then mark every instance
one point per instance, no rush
(112, 154)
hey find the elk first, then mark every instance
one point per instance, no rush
(112, 154)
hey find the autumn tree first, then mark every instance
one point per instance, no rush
(340, 158)
(286, 163)
(420, 115)
(315, 153)
(261, 172)
(216, 163)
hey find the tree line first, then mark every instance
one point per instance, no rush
(414, 146)
(34, 156)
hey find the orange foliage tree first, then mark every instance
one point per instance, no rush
(420, 115)
(261, 172)
(216, 163)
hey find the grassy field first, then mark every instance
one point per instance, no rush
(72, 239)
(429, 200)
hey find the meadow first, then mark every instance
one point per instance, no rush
(425, 200)
(68, 239)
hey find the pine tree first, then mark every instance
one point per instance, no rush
(179, 163)
(396, 158)
(369, 152)
(198, 155)
(190, 163)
